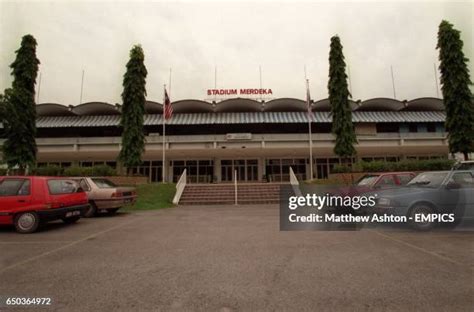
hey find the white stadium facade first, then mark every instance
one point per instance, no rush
(258, 139)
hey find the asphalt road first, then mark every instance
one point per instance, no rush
(228, 258)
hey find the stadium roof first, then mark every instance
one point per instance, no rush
(238, 105)
(242, 118)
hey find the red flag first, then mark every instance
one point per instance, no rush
(167, 108)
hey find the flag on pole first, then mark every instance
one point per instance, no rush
(167, 108)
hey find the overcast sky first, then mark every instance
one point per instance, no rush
(236, 37)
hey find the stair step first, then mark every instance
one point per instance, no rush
(214, 194)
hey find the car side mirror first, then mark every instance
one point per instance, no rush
(453, 185)
(79, 190)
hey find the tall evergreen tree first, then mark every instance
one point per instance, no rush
(133, 109)
(457, 97)
(19, 148)
(341, 112)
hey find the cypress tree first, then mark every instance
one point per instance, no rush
(133, 109)
(457, 97)
(341, 112)
(19, 148)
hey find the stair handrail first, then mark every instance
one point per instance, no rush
(294, 183)
(235, 186)
(180, 187)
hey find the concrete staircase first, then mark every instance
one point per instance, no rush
(224, 194)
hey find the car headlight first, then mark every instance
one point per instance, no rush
(384, 202)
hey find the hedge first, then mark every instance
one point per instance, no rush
(403, 165)
(101, 170)
(74, 171)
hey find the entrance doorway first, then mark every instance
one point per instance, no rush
(150, 169)
(197, 171)
(278, 169)
(247, 170)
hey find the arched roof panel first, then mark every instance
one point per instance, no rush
(425, 104)
(153, 107)
(192, 106)
(238, 105)
(381, 104)
(285, 105)
(95, 108)
(53, 109)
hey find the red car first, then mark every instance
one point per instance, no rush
(383, 180)
(371, 182)
(27, 201)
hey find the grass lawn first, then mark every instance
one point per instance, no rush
(153, 196)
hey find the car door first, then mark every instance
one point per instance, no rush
(457, 195)
(65, 193)
(15, 194)
(466, 192)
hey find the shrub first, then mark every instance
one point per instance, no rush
(100, 170)
(341, 169)
(103, 170)
(76, 171)
(48, 171)
(3, 171)
(403, 165)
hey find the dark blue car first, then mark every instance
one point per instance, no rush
(430, 198)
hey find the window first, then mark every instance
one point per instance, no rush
(60, 186)
(431, 127)
(413, 128)
(103, 183)
(24, 189)
(465, 179)
(385, 181)
(367, 180)
(15, 187)
(404, 178)
(111, 164)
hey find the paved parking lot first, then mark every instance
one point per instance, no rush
(234, 258)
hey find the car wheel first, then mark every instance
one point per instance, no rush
(422, 209)
(112, 211)
(71, 219)
(26, 222)
(91, 211)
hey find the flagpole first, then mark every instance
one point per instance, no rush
(164, 136)
(309, 130)
(82, 87)
(393, 82)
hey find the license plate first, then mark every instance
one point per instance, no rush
(72, 213)
(128, 200)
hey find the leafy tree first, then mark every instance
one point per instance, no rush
(341, 112)
(19, 148)
(455, 82)
(133, 109)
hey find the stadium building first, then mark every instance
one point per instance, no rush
(258, 139)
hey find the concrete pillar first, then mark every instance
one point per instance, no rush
(217, 170)
(261, 168)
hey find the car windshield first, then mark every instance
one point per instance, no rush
(465, 166)
(103, 183)
(428, 179)
(367, 180)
